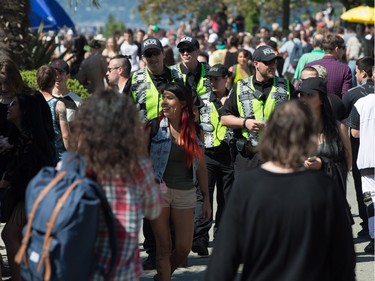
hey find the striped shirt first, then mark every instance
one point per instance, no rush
(129, 203)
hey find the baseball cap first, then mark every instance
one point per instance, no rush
(212, 38)
(312, 86)
(218, 70)
(190, 41)
(322, 71)
(151, 43)
(264, 53)
(155, 27)
(61, 65)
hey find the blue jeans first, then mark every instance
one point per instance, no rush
(352, 65)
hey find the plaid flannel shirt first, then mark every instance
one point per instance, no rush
(130, 202)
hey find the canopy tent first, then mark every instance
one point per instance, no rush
(53, 15)
(360, 14)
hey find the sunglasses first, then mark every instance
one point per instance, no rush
(187, 50)
(215, 78)
(268, 63)
(151, 53)
(110, 69)
(309, 95)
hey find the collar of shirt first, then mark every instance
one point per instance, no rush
(264, 87)
(213, 97)
(197, 74)
(329, 57)
(160, 81)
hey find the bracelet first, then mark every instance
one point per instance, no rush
(244, 122)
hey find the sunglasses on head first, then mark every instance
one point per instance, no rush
(151, 53)
(187, 50)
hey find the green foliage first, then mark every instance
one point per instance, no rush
(29, 78)
(151, 11)
(112, 26)
(41, 50)
(76, 87)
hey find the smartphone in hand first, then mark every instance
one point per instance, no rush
(311, 159)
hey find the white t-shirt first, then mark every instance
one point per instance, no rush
(131, 50)
(362, 117)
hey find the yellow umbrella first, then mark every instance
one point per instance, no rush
(360, 14)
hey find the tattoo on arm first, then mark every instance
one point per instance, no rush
(61, 112)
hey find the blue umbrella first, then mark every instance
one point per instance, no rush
(53, 15)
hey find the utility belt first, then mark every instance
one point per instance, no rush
(222, 149)
(242, 146)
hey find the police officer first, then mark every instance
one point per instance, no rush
(190, 69)
(147, 85)
(218, 161)
(249, 105)
(193, 73)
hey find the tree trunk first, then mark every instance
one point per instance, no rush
(15, 38)
(286, 15)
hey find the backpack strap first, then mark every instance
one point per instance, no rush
(50, 224)
(234, 68)
(71, 161)
(75, 162)
(25, 241)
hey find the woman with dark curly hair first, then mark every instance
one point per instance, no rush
(108, 133)
(177, 154)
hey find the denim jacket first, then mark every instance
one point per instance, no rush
(160, 148)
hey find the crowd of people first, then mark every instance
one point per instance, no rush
(272, 122)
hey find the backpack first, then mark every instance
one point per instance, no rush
(63, 210)
(296, 54)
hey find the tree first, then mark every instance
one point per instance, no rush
(151, 11)
(15, 38)
(14, 34)
(112, 26)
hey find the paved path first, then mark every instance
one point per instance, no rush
(197, 265)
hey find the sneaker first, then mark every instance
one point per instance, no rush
(369, 249)
(363, 234)
(199, 248)
(149, 263)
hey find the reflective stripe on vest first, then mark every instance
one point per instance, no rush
(145, 95)
(214, 131)
(249, 106)
(203, 87)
